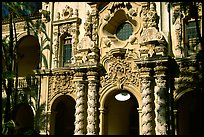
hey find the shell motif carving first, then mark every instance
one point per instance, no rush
(67, 12)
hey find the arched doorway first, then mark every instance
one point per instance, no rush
(28, 55)
(63, 115)
(24, 118)
(189, 114)
(121, 117)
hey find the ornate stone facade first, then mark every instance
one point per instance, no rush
(103, 65)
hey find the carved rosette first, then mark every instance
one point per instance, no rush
(147, 108)
(80, 109)
(160, 106)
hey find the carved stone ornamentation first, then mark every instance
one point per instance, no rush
(65, 28)
(60, 82)
(151, 34)
(120, 73)
(150, 17)
(116, 5)
(147, 107)
(160, 106)
(88, 25)
(67, 12)
(80, 109)
(152, 42)
(85, 44)
(92, 108)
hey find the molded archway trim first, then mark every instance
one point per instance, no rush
(110, 89)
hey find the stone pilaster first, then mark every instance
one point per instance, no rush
(160, 100)
(175, 121)
(102, 120)
(80, 121)
(92, 111)
(49, 122)
(147, 102)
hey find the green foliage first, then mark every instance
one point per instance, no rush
(30, 93)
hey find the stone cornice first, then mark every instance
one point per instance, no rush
(22, 18)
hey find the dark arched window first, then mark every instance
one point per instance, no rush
(67, 50)
(124, 31)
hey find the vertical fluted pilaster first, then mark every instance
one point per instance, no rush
(160, 106)
(147, 108)
(80, 108)
(92, 118)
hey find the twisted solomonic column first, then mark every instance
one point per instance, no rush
(147, 107)
(80, 108)
(160, 105)
(92, 119)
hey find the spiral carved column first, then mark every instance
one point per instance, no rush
(80, 107)
(160, 98)
(160, 106)
(92, 118)
(147, 108)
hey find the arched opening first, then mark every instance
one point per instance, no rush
(28, 55)
(189, 114)
(63, 116)
(23, 117)
(121, 117)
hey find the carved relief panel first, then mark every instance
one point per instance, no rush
(120, 70)
(60, 83)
